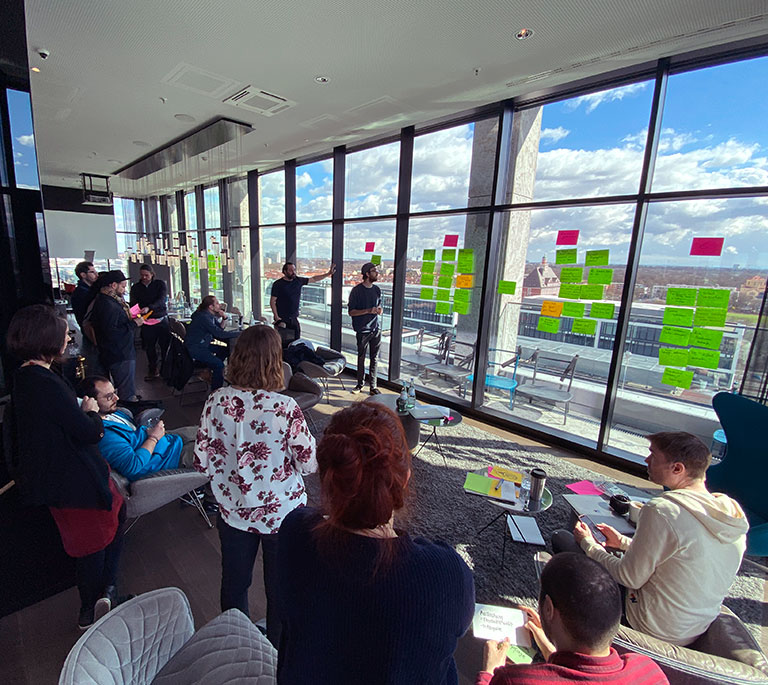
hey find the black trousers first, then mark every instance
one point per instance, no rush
(365, 341)
(153, 337)
(95, 572)
(291, 324)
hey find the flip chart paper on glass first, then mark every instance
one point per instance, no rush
(584, 326)
(506, 287)
(714, 298)
(427, 294)
(600, 276)
(496, 623)
(568, 256)
(574, 309)
(444, 281)
(569, 291)
(376, 259)
(548, 325)
(567, 237)
(466, 262)
(443, 308)
(464, 281)
(427, 279)
(428, 268)
(706, 359)
(673, 356)
(448, 256)
(430, 255)
(677, 378)
(601, 310)
(591, 292)
(446, 269)
(571, 274)
(369, 247)
(460, 307)
(677, 316)
(451, 241)
(461, 295)
(549, 308)
(681, 297)
(707, 247)
(675, 336)
(710, 317)
(597, 258)
(703, 337)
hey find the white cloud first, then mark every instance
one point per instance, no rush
(594, 100)
(554, 134)
(731, 250)
(303, 180)
(27, 140)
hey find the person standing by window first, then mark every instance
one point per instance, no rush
(286, 296)
(365, 310)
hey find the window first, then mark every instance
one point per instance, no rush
(240, 245)
(193, 254)
(313, 257)
(23, 140)
(314, 191)
(272, 198)
(371, 181)
(272, 256)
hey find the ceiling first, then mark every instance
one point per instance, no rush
(119, 72)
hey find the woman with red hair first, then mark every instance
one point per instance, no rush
(362, 601)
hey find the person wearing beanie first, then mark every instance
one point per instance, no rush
(365, 309)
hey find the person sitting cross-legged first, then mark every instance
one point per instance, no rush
(578, 617)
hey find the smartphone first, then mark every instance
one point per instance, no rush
(593, 528)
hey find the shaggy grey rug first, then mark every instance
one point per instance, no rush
(438, 508)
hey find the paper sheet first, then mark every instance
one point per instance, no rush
(496, 623)
(584, 487)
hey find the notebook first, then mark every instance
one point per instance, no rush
(525, 529)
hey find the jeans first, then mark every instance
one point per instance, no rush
(123, 374)
(98, 570)
(238, 555)
(151, 337)
(366, 339)
(214, 363)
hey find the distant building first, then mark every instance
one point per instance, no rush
(541, 281)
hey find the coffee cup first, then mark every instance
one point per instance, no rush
(619, 504)
(634, 511)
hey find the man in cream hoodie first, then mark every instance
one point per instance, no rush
(687, 548)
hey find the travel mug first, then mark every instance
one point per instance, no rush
(538, 478)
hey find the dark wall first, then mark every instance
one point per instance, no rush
(70, 200)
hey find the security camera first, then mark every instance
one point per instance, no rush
(44, 54)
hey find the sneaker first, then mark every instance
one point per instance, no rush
(109, 600)
(357, 389)
(85, 618)
(375, 391)
(152, 376)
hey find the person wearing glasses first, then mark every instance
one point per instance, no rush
(365, 309)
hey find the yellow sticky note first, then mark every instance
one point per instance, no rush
(464, 281)
(549, 308)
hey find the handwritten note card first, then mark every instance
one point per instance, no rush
(496, 623)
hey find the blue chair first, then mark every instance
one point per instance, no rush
(503, 382)
(743, 472)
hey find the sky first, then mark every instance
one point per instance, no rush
(24, 157)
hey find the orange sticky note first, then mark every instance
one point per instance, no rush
(464, 281)
(549, 308)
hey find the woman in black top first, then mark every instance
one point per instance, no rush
(58, 463)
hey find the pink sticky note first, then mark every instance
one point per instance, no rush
(584, 487)
(369, 247)
(707, 247)
(567, 237)
(135, 310)
(451, 241)
(152, 322)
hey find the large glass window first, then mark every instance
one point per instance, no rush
(272, 242)
(23, 140)
(193, 253)
(240, 245)
(371, 181)
(314, 191)
(313, 257)
(272, 198)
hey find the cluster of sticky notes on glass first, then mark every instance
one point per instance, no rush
(454, 262)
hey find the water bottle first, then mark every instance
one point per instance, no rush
(402, 401)
(411, 394)
(525, 489)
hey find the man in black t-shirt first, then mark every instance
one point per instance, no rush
(365, 309)
(286, 294)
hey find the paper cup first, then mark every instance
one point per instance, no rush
(634, 511)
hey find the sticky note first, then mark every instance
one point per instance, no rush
(461, 307)
(569, 291)
(430, 255)
(549, 308)
(677, 316)
(506, 287)
(369, 247)
(474, 482)
(600, 276)
(713, 297)
(464, 281)
(427, 294)
(427, 279)
(566, 256)
(443, 295)
(445, 281)
(584, 326)
(710, 317)
(449, 256)
(451, 241)
(681, 297)
(673, 356)
(466, 262)
(574, 309)
(567, 237)
(703, 337)
(591, 292)
(675, 336)
(707, 247)
(707, 359)
(461, 295)
(135, 310)
(548, 325)
(446, 269)
(601, 310)
(597, 258)
(571, 274)
(443, 308)
(428, 268)
(677, 377)
(376, 259)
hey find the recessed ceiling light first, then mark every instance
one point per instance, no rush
(115, 161)
(141, 143)
(184, 117)
(36, 70)
(522, 34)
(322, 79)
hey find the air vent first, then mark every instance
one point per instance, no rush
(259, 101)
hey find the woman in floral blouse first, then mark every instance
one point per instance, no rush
(254, 445)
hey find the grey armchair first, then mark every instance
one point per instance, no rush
(726, 653)
(305, 391)
(152, 639)
(333, 366)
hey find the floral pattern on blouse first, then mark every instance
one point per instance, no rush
(254, 446)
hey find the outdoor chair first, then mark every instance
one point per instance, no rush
(305, 391)
(546, 392)
(455, 366)
(500, 381)
(421, 357)
(151, 639)
(333, 366)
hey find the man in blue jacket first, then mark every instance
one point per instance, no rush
(201, 333)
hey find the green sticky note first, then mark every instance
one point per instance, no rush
(444, 281)
(449, 256)
(600, 276)
(466, 262)
(427, 279)
(706, 316)
(703, 337)
(584, 326)
(707, 359)
(677, 377)
(446, 269)
(506, 287)
(673, 356)
(681, 297)
(548, 324)
(443, 295)
(430, 255)
(675, 336)
(597, 257)
(461, 307)
(574, 309)
(427, 294)
(713, 297)
(677, 316)
(461, 296)
(601, 310)
(443, 308)
(520, 655)
(376, 259)
(569, 291)
(474, 482)
(428, 267)
(566, 256)
(571, 274)
(591, 292)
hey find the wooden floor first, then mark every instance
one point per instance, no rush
(174, 547)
